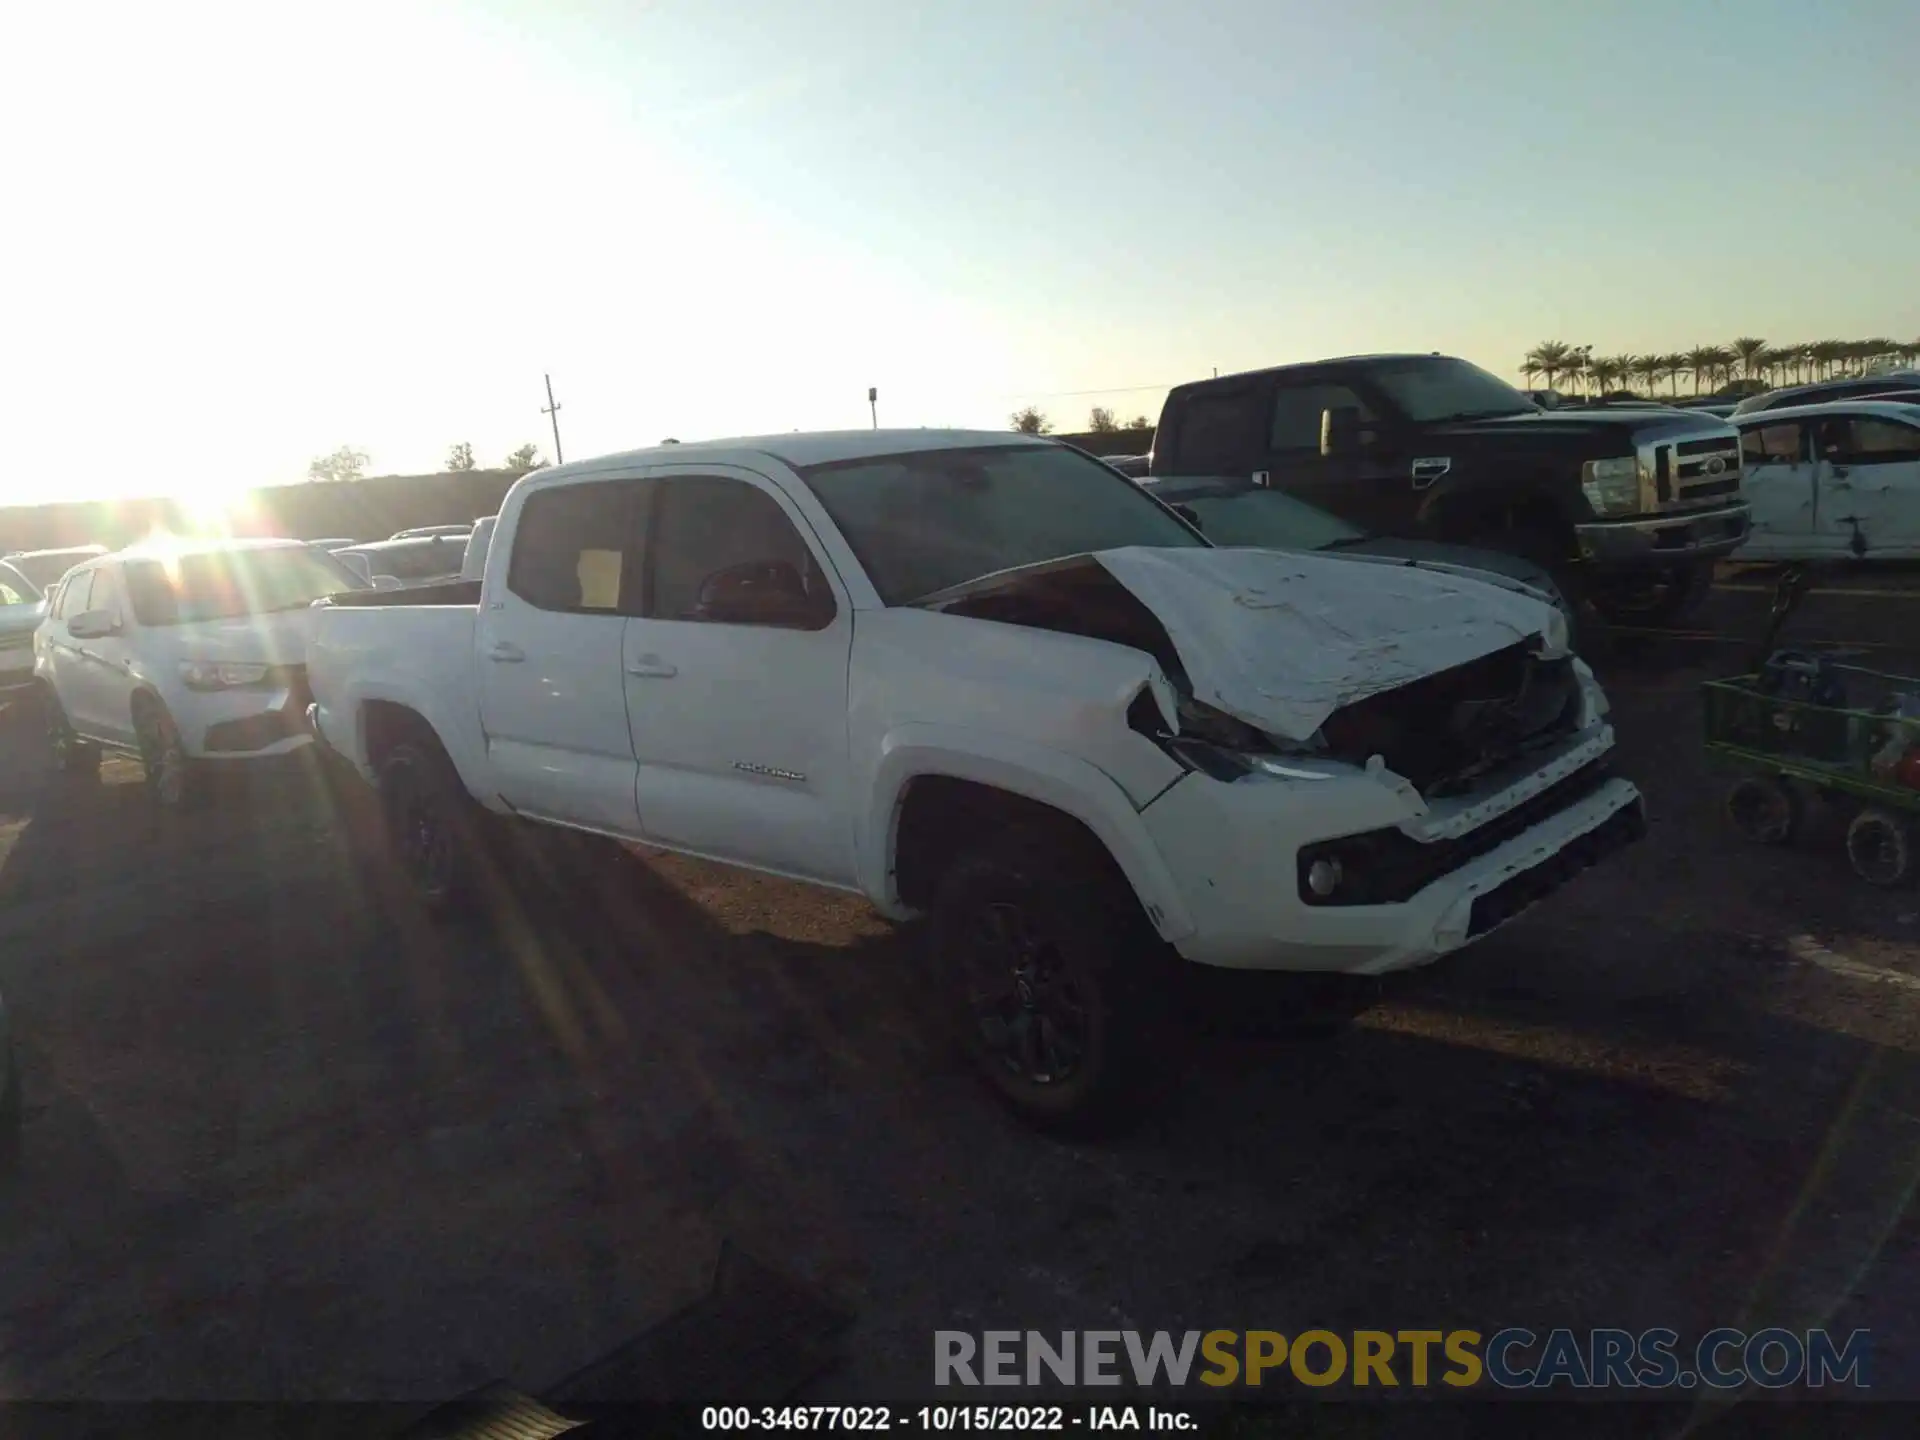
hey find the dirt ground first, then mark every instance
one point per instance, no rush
(285, 1139)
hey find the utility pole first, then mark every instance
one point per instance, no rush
(873, 404)
(552, 411)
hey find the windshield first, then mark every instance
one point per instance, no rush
(1441, 388)
(223, 584)
(1269, 520)
(15, 588)
(43, 570)
(923, 521)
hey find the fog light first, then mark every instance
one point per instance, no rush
(1323, 877)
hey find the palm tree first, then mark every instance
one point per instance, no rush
(1822, 354)
(1673, 366)
(1604, 369)
(1650, 368)
(1700, 361)
(1549, 357)
(1749, 350)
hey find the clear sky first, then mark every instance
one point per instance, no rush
(241, 234)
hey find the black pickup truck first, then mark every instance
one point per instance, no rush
(1628, 507)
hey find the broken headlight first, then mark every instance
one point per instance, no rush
(1216, 744)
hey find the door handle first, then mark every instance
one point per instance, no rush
(651, 667)
(505, 652)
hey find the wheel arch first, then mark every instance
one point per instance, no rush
(934, 791)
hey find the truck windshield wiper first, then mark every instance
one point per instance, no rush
(1345, 542)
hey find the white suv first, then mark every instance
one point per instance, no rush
(183, 654)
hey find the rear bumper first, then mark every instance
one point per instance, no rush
(1665, 539)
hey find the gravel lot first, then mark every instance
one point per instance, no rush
(285, 1139)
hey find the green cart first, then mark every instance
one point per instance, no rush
(1804, 722)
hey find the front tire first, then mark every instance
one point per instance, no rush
(432, 825)
(1056, 980)
(174, 779)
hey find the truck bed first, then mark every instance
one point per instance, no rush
(452, 592)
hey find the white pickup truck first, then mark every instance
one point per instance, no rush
(985, 679)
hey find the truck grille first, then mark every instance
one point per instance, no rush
(1697, 472)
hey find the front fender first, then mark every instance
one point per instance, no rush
(1064, 782)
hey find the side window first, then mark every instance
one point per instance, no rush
(1296, 414)
(1869, 440)
(11, 594)
(572, 550)
(1219, 432)
(706, 526)
(1773, 444)
(76, 592)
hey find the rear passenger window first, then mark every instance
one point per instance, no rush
(1220, 433)
(704, 524)
(572, 549)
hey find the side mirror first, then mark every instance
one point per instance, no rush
(1187, 513)
(1340, 430)
(92, 625)
(762, 592)
(388, 582)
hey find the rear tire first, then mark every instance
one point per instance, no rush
(1880, 845)
(432, 825)
(71, 756)
(174, 779)
(1057, 983)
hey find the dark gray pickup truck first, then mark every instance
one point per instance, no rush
(1628, 507)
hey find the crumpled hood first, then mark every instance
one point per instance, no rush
(1282, 640)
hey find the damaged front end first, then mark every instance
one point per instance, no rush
(1271, 680)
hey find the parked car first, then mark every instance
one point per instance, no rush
(1833, 481)
(11, 1117)
(1629, 507)
(1821, 392)
(21, 608)
(422, 532)
(184, 655)
(422, 560)
(1235, 512)
(332, 543)
(45, 567)
(984, 678)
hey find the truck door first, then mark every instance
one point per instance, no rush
(1779, 482)
(1869, 486)
(1365, 485)
(737, 679)
(552, 696)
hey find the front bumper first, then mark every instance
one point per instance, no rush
(1664, 539)
(234, 725)
(1232, 849)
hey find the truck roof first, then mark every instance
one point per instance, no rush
(1330, 363)
(801, 448)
